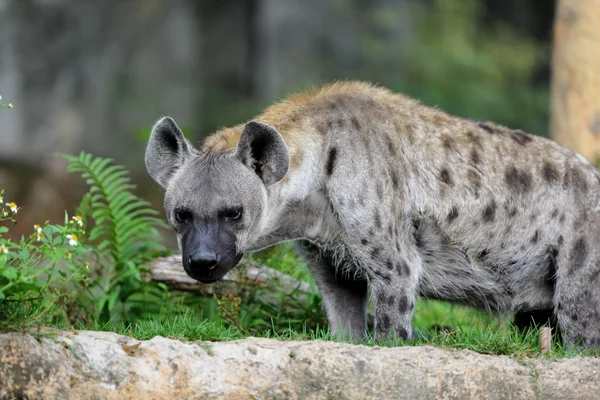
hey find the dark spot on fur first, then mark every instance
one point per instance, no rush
(486, 127)
(562, 218)
(483, 254)
(549, 172)
(584, 324)
(578, 255)
(322, 128)
(340, 123)
(377, 218)
(402, 333)
(402, 269)
(391, 146)
(397, 246)
(394, 175)
(404, 304)
(389, 264)
(554, 213)
(474, 138)
(416, 234)
(448, 142)
(452, 215)
(579, 180)
(416, 223)
(384, 321)
(384, 299)
(331, 161)
(390, 230)
(517, 181)
(474, 179)
(364, 241)
(445, 177)
(475, 159)
(536, 236)
(552, 267)
(561, 240)
(489, 213)
(379, 189)
(355, 123)
(574, 317)
(532, 217)
(520, 137)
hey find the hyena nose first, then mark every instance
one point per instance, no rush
(203, 261)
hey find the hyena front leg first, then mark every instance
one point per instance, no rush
(344, 294)
(393, 277)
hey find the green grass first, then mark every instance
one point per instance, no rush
(508, 341)
(192, 318)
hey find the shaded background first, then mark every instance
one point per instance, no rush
(95, 75)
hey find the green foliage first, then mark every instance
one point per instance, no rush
(478, 71)
(124, 236)
(38, 273)
(454, 60)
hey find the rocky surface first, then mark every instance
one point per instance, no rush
(100, 365)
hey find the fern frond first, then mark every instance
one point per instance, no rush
(124, 223)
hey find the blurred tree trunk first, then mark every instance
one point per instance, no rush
(576, 77)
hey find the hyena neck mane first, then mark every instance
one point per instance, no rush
(303, 117)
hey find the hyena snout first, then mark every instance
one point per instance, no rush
(208, 254)
(202, 261)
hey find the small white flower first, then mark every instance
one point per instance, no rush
(37, 228)
(3, 249)
(78, 220)
(86, 264)
(0, 97)
(13, 207)
(72, 239)
(5, 213)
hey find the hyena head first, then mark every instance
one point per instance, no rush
(215, 200)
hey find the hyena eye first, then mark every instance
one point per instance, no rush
(182, 215)
(232, 214)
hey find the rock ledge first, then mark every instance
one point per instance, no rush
(100, 365)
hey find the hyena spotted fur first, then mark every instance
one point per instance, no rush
(394, 199)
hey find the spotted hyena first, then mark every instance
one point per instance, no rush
(396, 197)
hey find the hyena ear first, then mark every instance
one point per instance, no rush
(262, 149)
(167, 151)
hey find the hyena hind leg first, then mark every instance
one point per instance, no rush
(577, 298)
(344, 295)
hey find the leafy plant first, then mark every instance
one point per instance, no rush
(36, 273)
(477, 70)
(124, 236)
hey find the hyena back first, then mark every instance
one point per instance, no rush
(397, 197)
